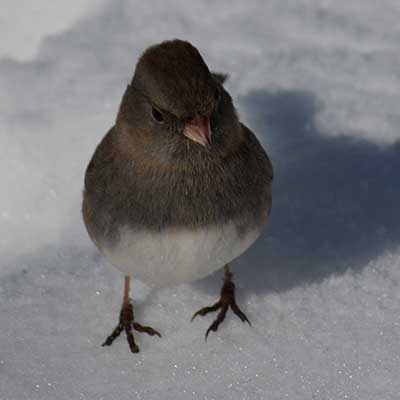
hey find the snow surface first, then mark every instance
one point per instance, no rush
(318, 81)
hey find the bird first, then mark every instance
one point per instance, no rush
(178, 187)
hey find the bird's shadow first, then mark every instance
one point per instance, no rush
(335, 199)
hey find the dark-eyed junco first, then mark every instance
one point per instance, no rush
(178, 187)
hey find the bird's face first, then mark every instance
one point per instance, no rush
(173, 96)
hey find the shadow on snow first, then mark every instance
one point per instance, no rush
(335, 199)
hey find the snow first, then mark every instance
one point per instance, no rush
(318, 82)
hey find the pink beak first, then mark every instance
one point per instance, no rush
(198, 129)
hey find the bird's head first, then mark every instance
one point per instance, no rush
(173, 96)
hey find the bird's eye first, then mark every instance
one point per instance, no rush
(157, 115)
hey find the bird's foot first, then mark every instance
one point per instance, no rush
(127, 324)
(226, 300)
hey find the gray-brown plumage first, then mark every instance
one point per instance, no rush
(178, 187)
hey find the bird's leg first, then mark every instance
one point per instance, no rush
(126, 323)
(226, 300)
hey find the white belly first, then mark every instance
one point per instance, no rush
(175, 256)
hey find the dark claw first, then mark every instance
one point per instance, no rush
(147, 329)
(126, 322)
(220, 317)
(204, 311)
(117, 331)
(237, 311)
(131, 341)
(226, 300)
